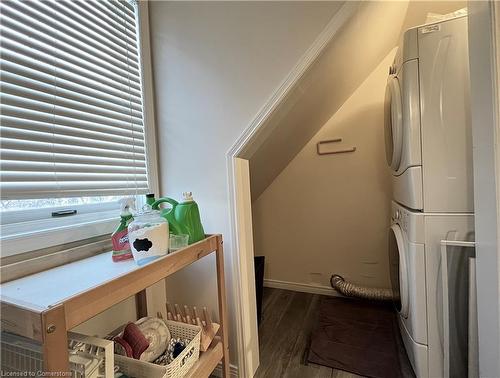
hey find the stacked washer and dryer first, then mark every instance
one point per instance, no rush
(429, 150)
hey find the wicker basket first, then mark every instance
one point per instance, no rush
(178, 367)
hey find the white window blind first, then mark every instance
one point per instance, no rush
(71, 108)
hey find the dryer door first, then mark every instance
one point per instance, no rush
(393, 123)
(398, 269)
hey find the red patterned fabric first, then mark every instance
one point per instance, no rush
(133, 337)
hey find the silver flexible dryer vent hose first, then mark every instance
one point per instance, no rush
(352, 290)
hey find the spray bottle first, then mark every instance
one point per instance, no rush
(119, 238)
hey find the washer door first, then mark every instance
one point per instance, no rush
(398, 270)
(393, 123)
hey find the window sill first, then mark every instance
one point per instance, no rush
(29, 236)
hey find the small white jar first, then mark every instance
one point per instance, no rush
(148, 236)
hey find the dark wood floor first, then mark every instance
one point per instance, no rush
(287, 321)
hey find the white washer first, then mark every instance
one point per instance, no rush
(414, 255)
(428, 126)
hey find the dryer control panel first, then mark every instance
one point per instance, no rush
(411, 222)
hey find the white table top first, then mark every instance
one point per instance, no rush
(42, 290)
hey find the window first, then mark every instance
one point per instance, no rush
(72, 124)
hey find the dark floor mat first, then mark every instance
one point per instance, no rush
(360, 337)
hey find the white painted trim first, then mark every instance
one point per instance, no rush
(148, 97)
(40, 260)
(301, 287)
(242, 306)
(233, 371)
(51, 232)
(44, 214)
(239, 286)
(246, 272)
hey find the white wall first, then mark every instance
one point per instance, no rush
(215, 64)
(329, 214)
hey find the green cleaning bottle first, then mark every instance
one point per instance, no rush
(183, 218)
(188, 215)
(119, 238)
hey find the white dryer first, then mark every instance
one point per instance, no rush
(427, 124)
(415, 266)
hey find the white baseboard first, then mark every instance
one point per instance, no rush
(233, 371)
(304, 288)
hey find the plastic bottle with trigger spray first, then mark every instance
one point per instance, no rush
(119, 238)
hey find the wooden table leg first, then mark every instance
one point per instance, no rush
(221, 287)
(55, 341)
(141, 304)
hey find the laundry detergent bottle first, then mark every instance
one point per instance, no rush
(183, 218)
(119, 238)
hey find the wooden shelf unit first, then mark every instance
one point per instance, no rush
(45, 305)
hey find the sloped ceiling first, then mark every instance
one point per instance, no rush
(346, 61)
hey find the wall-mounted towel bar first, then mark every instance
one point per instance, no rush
(328, 141)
